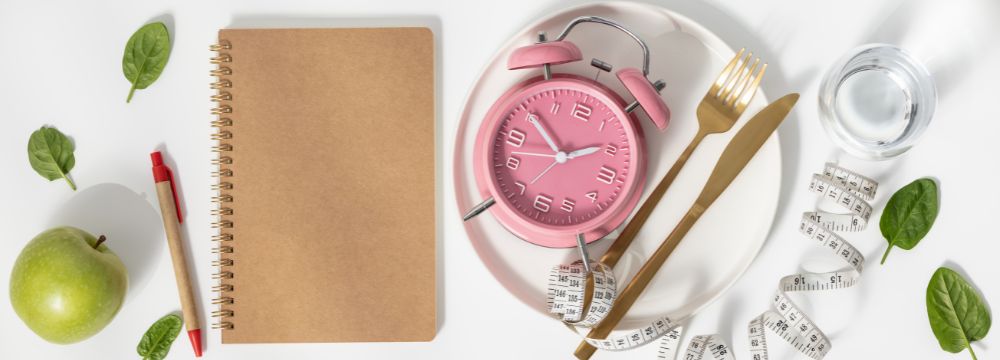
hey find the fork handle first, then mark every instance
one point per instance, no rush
(632, 228)
(638, 283)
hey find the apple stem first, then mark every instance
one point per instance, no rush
(100, 241)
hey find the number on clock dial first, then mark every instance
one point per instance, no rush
(515, 138)
(581, 111)
(573, 191)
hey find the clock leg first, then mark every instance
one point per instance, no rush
(582, 245)
(476, 210)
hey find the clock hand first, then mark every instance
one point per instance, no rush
(532, 154)
(533, 119)
(543, 172)
(586, 151)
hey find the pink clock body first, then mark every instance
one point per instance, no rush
(560, 157)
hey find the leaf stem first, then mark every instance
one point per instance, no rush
(70, 182)
(884, 256)
(100, 241)
(132, 91)
(973, 353)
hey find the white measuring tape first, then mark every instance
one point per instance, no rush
(567, 285)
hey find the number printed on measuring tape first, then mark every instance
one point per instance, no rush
(568, 284)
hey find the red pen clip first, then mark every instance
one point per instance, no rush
(163, 173)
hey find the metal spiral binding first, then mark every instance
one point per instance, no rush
(223, 238)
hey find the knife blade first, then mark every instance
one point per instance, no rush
(735, 157)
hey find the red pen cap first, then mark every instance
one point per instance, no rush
(195, 337)
(163, 173)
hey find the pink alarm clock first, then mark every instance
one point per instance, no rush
(563, 156)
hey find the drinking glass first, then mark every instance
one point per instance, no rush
(876, 101)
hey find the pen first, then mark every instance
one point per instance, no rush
(171, 212)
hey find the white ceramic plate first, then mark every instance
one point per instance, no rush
(719, 248)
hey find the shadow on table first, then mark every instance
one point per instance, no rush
(131, 223)
(950, 46)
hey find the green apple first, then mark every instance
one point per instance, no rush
(67, 285)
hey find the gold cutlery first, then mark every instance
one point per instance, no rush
(735, 157)
(718, 111)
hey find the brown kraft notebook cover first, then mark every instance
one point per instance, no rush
(326, 185)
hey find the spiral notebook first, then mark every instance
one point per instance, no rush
(326, 192)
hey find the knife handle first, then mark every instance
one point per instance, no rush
(639, 282)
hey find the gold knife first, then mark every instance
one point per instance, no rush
(734, 158)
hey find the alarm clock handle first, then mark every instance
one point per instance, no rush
(608, 22)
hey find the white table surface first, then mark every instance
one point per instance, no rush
(60, 65)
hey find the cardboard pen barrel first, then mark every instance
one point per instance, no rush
(173, 231)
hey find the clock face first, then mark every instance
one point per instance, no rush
(563, 156)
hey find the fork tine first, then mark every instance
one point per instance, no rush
(750, 91)
(740, 85)
(725, 74)
(739, 74)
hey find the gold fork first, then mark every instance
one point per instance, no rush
(718, 111)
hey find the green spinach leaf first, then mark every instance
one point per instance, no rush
(957, 314)
(146, 54)
(909, 215)
(155, 343)
(51, 154)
